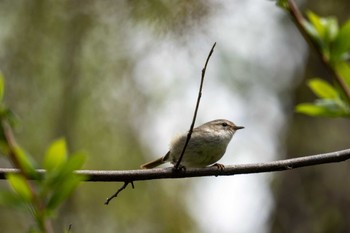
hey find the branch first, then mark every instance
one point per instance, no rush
(196, 109)
(299, 21)
(12, 147)
(119, 190)
(169, 173)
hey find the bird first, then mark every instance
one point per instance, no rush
(207, 145)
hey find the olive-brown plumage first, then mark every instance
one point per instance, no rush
(207, 145)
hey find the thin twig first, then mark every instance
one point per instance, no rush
(126, 183)
(11, 142)
(196, 109)
(167, 173)
(299, 21)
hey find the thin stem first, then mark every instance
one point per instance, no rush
(196, 109)
(126, 183)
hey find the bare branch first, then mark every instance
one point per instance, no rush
(196, 109)
(126, 183)
(168, 173)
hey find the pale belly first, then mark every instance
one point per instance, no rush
(200, 154)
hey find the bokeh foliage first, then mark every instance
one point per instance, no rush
(69, 71)
(43, 196)
(317, 199)
(333, 43)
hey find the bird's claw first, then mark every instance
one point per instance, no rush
(219, 166)
(181, 168)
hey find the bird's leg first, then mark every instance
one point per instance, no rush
(181, 168)
(219, 166)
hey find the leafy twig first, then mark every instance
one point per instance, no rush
(13, 152)
(299, 21)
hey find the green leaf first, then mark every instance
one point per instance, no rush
(2, 86)
(62, 192)
(311, 30)
(8, 115)
(342, 42)
(343, 69)
(310, 109)
(55, 178)
(283, 4)
(325, 108)
(11, 117)
(324, 31)
(326, 27)
(336, 106)
(332, 28)
(322, 89)
(315, 110)
(26, 163)
(317, 24)
(64, 181)
(75, 162)
(19, 184)
(8, 198)
(56, 155)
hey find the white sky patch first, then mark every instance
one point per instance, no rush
(228, 201)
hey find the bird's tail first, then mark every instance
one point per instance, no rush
(155, 163)
(152, 164)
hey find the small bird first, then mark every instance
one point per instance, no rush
(207, 145)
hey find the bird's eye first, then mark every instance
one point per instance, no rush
(224, 124)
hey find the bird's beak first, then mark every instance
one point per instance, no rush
(238, 127)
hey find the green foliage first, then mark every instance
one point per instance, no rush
(282, 3)
(60, 179)
(44, 196)
(1, 86)
(56, 155)
(24, 161)
(50, 190)
(341, 45)
(343, 69)
(333, 42)
(330, 104)
(323, 30)
(334, 45)
(322, 89)
(5, 115)
(21, 187)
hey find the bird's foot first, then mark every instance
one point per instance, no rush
(181, 168)
(219, 166)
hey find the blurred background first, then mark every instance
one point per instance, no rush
(118, 79)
